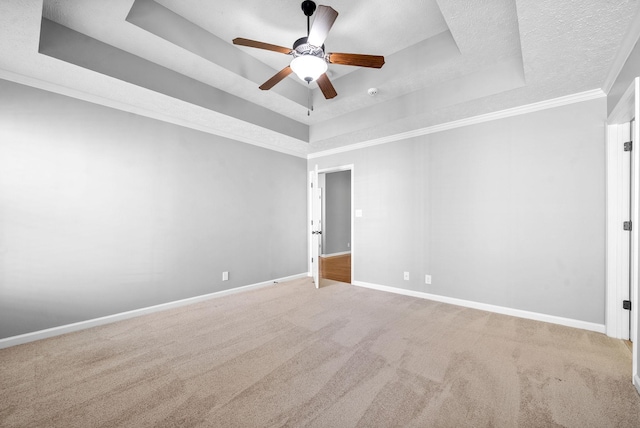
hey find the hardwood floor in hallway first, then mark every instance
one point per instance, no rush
(337, 267)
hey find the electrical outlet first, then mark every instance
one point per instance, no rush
(225, 276)
(406, 276)
(427, 279)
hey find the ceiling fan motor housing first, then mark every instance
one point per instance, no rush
(301, 47)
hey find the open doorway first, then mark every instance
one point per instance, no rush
(335, 254)
(331, 246)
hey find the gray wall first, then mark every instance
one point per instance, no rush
(103, 211)
(630, 71)
(509, 212)
(337, 212)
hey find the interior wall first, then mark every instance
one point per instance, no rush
(509, 212)
(337, 212)
(103, 211)
(630, 71)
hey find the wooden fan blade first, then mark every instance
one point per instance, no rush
(373, 61)
(325, 16)
(276, 78)
(326, 87)
(261, 45)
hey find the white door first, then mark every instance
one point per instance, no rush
(316, 227)
(627, 243)
(633, 241)
(635, 244)
(635, 236)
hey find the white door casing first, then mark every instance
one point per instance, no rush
(316, 229)
(620, 127)
(618, 240)
(315, 218)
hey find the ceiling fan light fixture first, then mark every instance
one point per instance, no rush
(309, 67)
(310, 62)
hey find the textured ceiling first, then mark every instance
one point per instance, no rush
(445, 60)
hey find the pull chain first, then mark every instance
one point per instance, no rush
(309, 101)
(310, 107)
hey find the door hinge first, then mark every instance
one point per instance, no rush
(626, 304)
(628, 146)
(627, 225)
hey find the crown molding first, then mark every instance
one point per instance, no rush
(119, 105)
(515, 111)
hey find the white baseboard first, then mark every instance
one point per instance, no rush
(82, 325)
(600, 328)
(335, 254)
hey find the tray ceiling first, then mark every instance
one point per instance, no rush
(445, 60)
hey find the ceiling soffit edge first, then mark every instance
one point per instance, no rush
(164, 23)
(294, 148)
(502, 114)
(62, 43)
(499, 77)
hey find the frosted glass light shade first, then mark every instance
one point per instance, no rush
(308, 67)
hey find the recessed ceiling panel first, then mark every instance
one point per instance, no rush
(377, 27)
(444, 59)
(68, 45)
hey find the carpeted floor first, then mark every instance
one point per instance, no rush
(338, 356)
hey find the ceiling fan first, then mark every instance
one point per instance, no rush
(309, 59)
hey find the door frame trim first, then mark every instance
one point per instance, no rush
(348, 167)
(625, 110)
(617, 240)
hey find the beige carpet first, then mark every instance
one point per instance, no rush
(338, 356)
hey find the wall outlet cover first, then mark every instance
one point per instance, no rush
(427, 279)
(406, 276)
